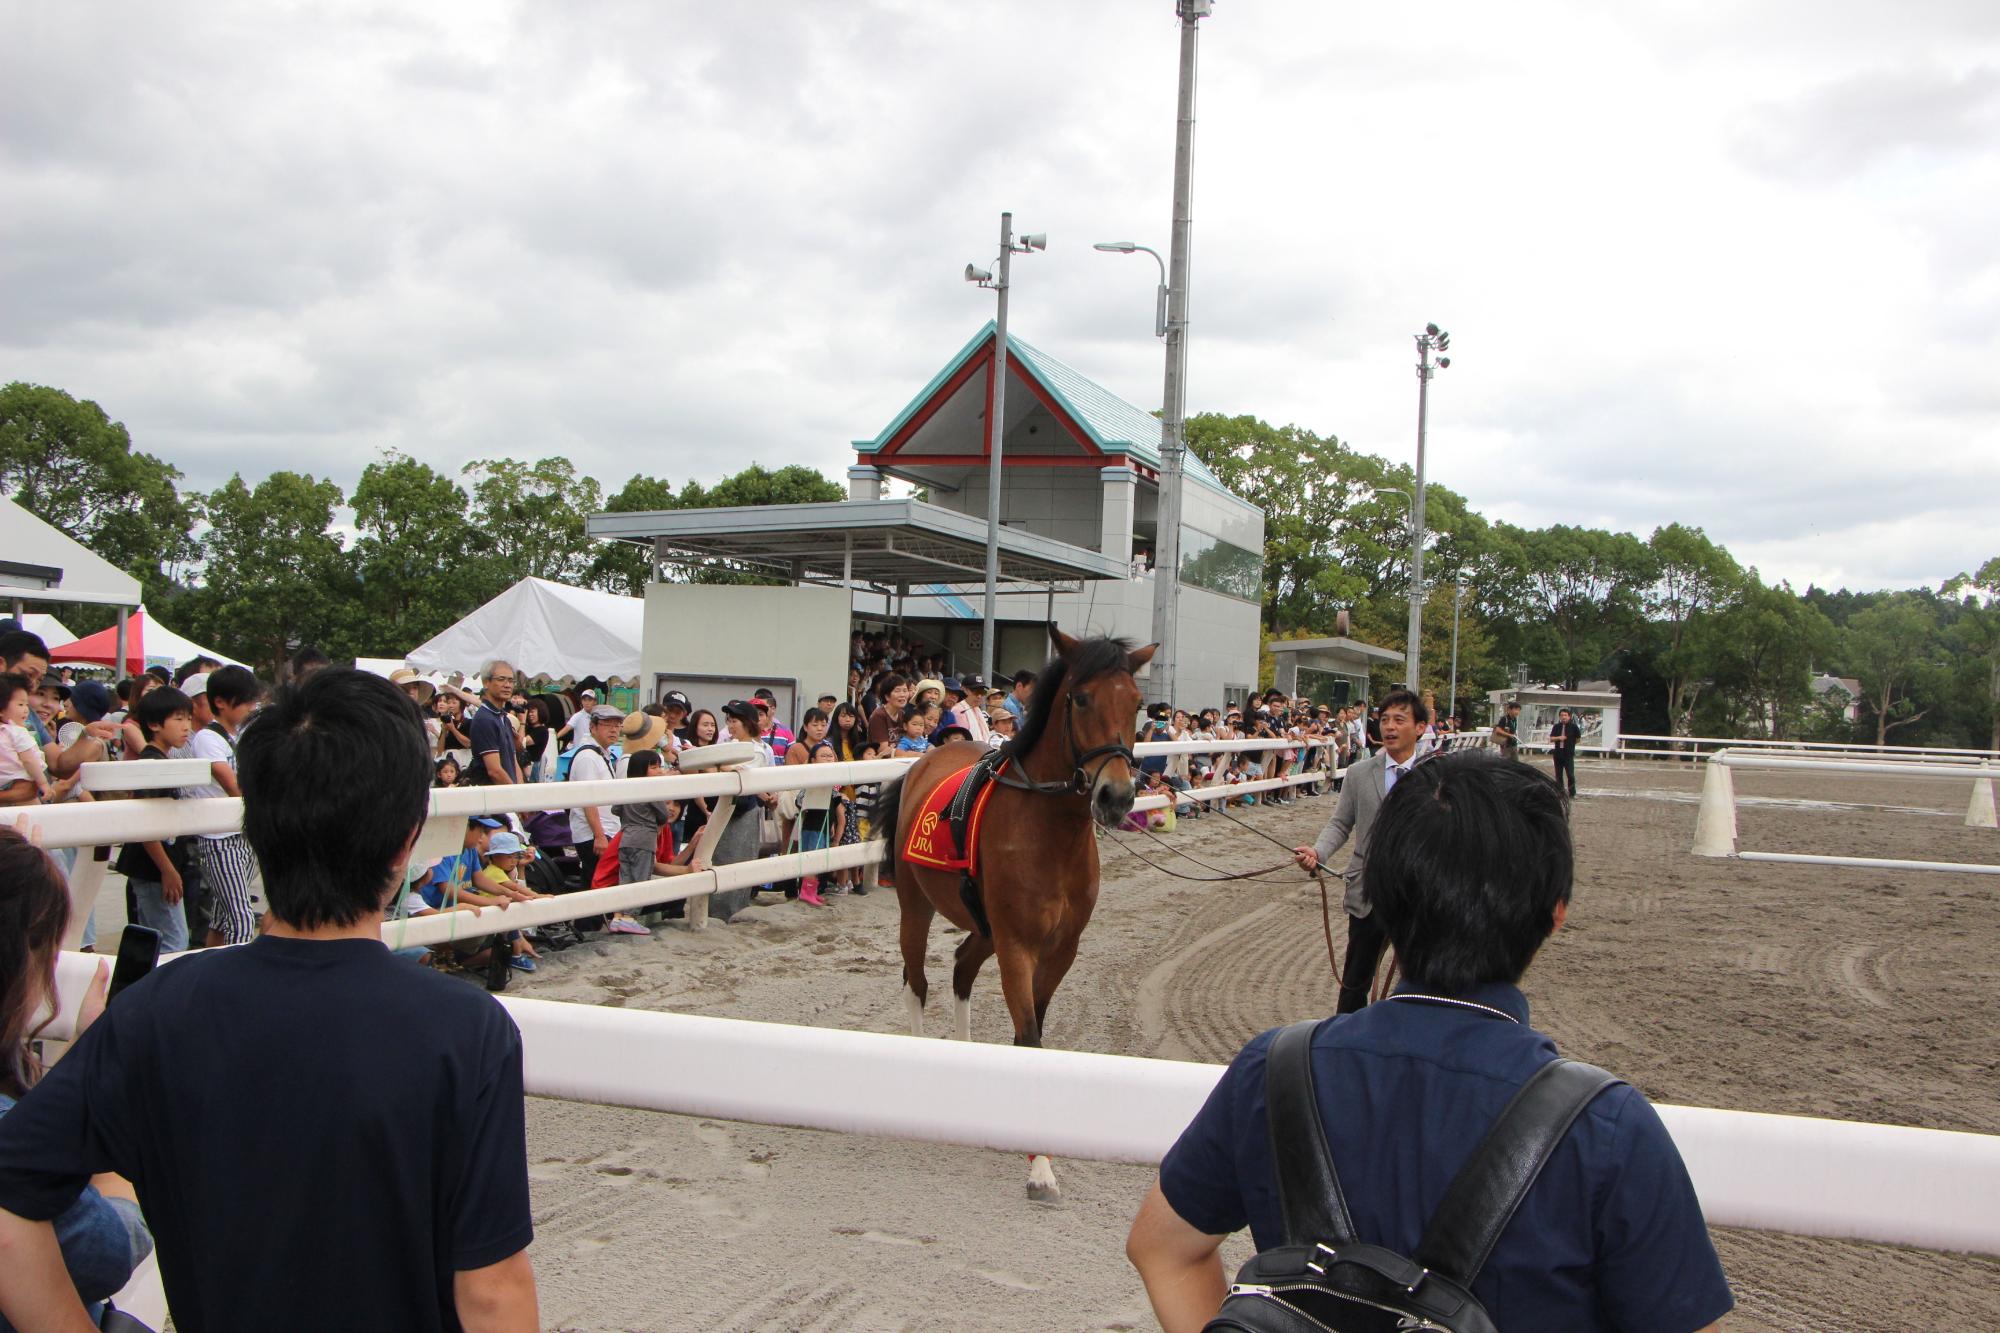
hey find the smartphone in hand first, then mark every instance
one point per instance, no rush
(138, 954)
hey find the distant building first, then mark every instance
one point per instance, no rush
(1082, 466)
(1832, 688)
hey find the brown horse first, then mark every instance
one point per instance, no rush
(1036, 874)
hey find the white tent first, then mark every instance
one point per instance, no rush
(544, 629)
(42, 563)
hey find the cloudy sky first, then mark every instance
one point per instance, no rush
(1725, 263)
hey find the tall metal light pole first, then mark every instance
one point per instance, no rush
(1457, 600)
(1167, 527)
(996, 421)
(1431, 339)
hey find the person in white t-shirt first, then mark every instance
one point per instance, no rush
(228, 870)
(577, 729)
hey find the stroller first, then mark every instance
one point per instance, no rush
(556, 869)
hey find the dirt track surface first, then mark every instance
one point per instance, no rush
(1854, 994)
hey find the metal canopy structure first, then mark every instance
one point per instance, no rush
(888, 545)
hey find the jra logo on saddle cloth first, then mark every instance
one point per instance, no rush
(944, 831)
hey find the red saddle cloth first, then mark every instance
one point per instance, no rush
(931, 841)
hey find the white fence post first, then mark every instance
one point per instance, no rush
(1715, 821)
(1980, 812)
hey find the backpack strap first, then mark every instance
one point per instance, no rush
(1308, 1188)
(1482, 1197)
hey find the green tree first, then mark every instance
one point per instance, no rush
(1335, 534)
(1892, 646)
(273, 574)
(1581, 587)
(69, 464)
(530, 517)
(1762, 650)
(419, 564)
(754, 485)
(1693, 577)
(1977, 631)
(623, 567)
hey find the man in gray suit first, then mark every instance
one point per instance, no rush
(1402, 718)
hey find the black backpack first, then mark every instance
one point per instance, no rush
(1323, 1280)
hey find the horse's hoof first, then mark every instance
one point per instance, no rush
(1050, 1194)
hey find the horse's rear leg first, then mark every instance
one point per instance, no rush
(973, 951)
(914, 937)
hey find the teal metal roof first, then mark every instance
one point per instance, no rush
(1114, 425)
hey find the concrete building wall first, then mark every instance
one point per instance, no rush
(1065, 503)
(793, 639)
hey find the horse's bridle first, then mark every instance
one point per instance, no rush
(1080, 782)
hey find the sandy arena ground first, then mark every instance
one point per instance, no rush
(1851, 994)
(1854, 994)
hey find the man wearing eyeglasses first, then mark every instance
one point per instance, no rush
(494, 761)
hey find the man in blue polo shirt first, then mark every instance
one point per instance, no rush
(1611, 1236)
(495, 759)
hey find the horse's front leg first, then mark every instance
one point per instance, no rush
(1017, 983)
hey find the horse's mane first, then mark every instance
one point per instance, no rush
(1093, 658)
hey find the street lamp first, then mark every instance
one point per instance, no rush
(1432, 339)
(1160, 304)
(979, 277)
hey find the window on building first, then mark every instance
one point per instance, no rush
(1218, 566)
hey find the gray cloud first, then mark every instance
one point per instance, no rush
(673, 241)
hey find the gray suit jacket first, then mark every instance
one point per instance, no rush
(1354, 816)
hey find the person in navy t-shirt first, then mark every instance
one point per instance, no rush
(321, 1136)
(1611, 1236)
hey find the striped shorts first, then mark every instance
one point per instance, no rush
(235, 891)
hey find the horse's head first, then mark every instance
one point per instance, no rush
(1100, 706)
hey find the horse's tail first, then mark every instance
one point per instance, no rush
(888, 807)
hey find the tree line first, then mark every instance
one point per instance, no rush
(1696, 642)
(255, 569)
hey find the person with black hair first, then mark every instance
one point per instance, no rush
(23, 653)
(156, 873)
(299, 1171)
(1402, 717)
(99, 1233)
(1024, 689)
(1563, 736)
(228, 871)
(306, 661)
(1469, 869)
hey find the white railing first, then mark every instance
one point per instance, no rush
(1822, 1177)
(1700, 747)
(1715, 819)
(1883, 1183)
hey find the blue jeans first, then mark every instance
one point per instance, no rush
(152, 909)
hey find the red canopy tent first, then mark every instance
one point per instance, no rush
(146, 642)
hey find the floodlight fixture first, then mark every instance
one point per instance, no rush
(1431, 329)
(1116, 247)
(1443, 362)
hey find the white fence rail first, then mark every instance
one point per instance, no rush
(1700, 747)
(1884, 1183)
(1715, 831)
(1874, 1182)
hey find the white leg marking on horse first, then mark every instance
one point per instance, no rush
(1042, 1187)
(916, 1011)
(961, 1018)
